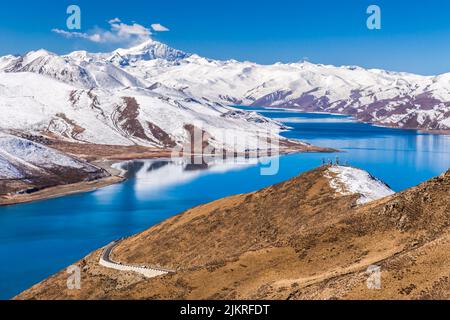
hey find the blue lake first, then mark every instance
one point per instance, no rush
(41, 238)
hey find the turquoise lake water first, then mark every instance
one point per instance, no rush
(41, 238)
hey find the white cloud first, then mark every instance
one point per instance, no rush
(125, 30)
(159, 27)
(92, 37)
(119, 33)
(115, 20)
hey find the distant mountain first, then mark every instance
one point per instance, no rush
(72, 69)
(90, 98)
(318, 236)
(149, 94)
(149, 50)
(381, 97)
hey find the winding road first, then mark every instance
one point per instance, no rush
(148, 272)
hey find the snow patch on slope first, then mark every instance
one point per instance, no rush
(348, 181)
(35, 153)
(18, 155)
(8, 171)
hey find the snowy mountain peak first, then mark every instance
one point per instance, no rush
(81, 56)
(33, 55)
(143, 47)
(148, 50)
(349, 181)
(38, 55)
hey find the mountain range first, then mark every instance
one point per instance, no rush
(91, 98)
(312, 237)
(148, 94)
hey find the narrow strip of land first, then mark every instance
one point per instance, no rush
(59, 191)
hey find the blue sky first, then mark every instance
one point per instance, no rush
(415, 35)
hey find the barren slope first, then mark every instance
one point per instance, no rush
(300, 239)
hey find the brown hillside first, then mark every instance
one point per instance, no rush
(295, 240)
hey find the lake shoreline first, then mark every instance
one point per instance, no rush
(60, 191)
(105, 156)
(159, 189)
(375, 124)
(116, 176)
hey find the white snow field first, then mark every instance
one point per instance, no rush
(349, 181)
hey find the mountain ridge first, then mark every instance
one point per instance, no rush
(387, 98)
(300, 239)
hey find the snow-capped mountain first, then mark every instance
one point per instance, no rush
(149, 50)
(25, 164)
(377, 96)
(152, 94)
(71, 69)
(85, 97)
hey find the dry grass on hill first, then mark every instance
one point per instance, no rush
(295, 240)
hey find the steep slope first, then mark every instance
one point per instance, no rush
(300, 239)
(27, 166)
